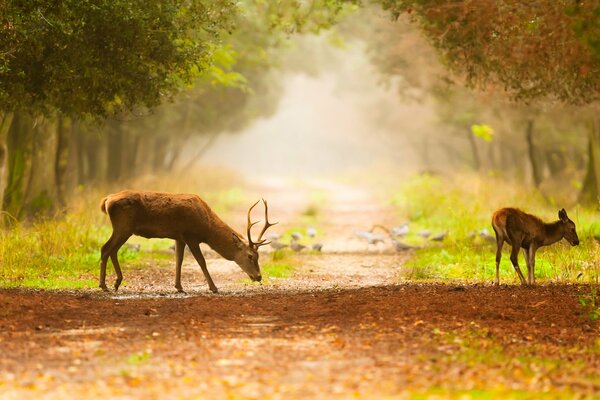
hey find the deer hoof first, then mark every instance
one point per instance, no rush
(104, 288)
(214, 290)
(179, 289)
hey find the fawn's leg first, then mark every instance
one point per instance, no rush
(528, 263)
(532, 251)
(514, 258)
(104, 254)
(499, 244)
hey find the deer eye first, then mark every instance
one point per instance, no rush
(249, 256)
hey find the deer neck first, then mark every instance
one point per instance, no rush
(553, 233)
(221, 240)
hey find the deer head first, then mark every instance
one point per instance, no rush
(568, 228)
(247, 258)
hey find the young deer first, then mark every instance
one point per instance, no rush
(188, 220)
(526, 231)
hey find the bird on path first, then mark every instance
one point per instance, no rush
(369, 237)
(400, 246)
(400, 230)
(425, 233)
(134, 247)
(311, 231)
(278, 245)
(296, 236)
(274, 237)
(439, 237)
(317, 246)
(296, 246)
(485, 234)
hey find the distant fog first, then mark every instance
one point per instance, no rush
(338, 120)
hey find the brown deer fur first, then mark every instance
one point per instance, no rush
(526, 231)
(185, 218)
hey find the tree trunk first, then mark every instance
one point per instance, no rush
(93, 165)
(6, 120)
(474, 150)
(41, 194)
(131, 145)
(19, 148)
(159, 153)
(556, 162)
(73, 173)
(591, 183)
(535, 168)
(115, 151)
(61, 162)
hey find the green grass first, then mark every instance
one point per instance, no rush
(277, 270)
(492, 394)
(463, 205)
(64, 252)
(512, 364)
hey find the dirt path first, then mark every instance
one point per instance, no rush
(340, 326)
(345, 260)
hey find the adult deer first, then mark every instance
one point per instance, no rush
(526, 231)
(188, 220)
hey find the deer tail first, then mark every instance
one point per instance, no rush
(103, 205)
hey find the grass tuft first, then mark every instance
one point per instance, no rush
(463, 206)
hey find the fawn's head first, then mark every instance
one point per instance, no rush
(568, 228)
(247, 257)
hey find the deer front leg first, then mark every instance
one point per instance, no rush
(195, 249)
(179, 248)
(514, 258)
(532, 251)
(528, 263)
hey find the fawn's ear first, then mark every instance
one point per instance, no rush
(237, 241)
(562, 215)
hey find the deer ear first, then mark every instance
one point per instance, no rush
(237, 241)
(562, 215)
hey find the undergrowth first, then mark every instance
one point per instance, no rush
(462, 206)
(64, 252)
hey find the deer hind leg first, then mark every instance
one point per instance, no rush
(104, 254)
(514, 258)
(195, 249)
(499, 244)
(179, 248)
(110, 249)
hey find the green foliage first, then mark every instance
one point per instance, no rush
(509, 45)
(52, 253)
(463, 206)
(64, 252)
(483, 131)
(99, 58)
(590, 303)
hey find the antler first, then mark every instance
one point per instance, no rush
(260, 241)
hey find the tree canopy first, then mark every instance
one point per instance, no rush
(101, 57)
(532, 49)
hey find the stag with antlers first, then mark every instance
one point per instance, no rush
(185, 218)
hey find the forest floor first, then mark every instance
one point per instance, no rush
(340, 324)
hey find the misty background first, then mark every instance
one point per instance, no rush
(339, 117)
